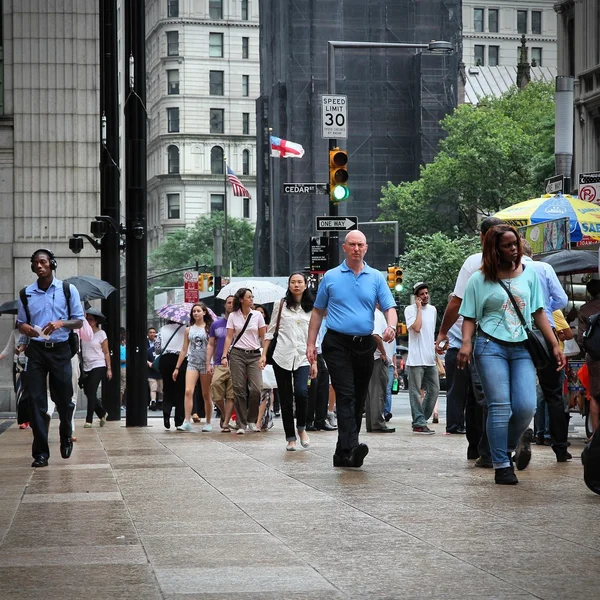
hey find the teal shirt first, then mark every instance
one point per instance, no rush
(488, 303)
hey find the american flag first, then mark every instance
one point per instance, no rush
(236, 184)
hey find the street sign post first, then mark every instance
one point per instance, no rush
(589, 187)
(190, 286)
(554, 185)
(305, 188)
(336, 223)
(320, 256)
(334, 114)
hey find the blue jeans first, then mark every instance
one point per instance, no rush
(508, 378)
(422, 378)
(388, 393)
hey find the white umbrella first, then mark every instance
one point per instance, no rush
(263, 291)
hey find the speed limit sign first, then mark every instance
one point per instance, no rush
(334, 117)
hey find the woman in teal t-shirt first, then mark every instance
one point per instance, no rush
(503, 362)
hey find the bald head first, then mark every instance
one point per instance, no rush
(355, 247)
(355, 235)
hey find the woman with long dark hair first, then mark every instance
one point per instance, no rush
(245, 329)
(507, 373)
(291, 367)
(194, 347)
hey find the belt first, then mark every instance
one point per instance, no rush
(257, 351)
(50, 345)
(357, 339)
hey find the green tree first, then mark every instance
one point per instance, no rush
(495, 154)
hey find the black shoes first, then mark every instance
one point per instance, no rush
(324, 426)
(563, 455)
(387, 416)
(384, 430)
(505, 476)
(40, 461)
(66, 447)
(523, 450)
(354, 459)
(483, 463)
(458, 430)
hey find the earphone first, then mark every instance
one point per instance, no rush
(53, 263)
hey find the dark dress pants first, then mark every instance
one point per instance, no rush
(52, 365)
(350, 364)
(318, 394)
(479, 408)
(173, 391)
(90, 388)
(551, 383)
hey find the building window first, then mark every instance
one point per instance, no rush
(215, 9)
(493, 20)
(246, 208)
(217, 118)
(216, 79)
(173, 82)
(246, 162)
(536, 57)
(244, 10)
(173, 206)
(173, 120)
(245, 85)
(246, 123)
(493, 55)
(173, 154)
(216, 161)
(536, 22)
(479, 55)
(521, 21)
(172, 43)
(172, 8)
(478, 19)
(215, 45)
(217, 203)
(245, 47)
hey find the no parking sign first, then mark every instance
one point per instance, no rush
(589, 187)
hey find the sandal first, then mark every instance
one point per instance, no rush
(196, 418)
(225, 429)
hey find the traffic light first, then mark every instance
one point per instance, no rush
(391, 277)
(399, 286)
(201, 282)
(338, 175)
(210, 282)
(395, 278)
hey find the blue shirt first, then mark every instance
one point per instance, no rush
(50, 305)
(555, 296)
(350, 299)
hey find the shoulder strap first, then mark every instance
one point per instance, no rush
(23, 296)
(241, 333)
(279, 316)
(67, 293)
(169, 340)
(514, 303)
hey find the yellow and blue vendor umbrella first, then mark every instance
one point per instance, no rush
(584, 217)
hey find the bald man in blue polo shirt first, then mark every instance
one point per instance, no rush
(349, 293)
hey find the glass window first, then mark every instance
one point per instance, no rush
(493, 20)
(215, 45)
(173, 154)
(536, 57)
(173, 120)
(536, 22)
(521, 21)
(244, 10)
(478, 19)
(246, 208)
(216, 160)
(246, 162)
(480, 56)
(173, 206)
(172, 8)
(217, 203)
(215, 9)
(217, 118)
(173, 81)
(216, 83)
(245, 47)
(172, 43)
(493, 56)
(246, 123)
(245, 85)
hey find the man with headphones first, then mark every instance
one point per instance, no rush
(46, 316)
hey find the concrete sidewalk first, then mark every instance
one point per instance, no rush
(148, 513)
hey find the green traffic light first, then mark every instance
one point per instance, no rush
(340, 192)
(399, 287)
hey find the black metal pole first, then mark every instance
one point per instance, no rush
(135, 204)
(109, 195)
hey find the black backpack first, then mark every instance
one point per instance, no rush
(591, 337)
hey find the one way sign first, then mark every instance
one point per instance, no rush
(337, 223)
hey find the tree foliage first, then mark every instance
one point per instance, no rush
(495, 154)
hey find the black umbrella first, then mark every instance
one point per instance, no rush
(91, 288)
(570, 262)
(9, 308)
(95, 313)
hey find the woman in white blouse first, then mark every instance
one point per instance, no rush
(291, 367)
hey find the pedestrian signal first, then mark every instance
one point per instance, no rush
(338, 175)
(210, 283)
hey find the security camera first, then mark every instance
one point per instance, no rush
(98, 229)
(75, 245)
(138, 232)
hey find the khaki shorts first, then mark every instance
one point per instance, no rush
(221, 387)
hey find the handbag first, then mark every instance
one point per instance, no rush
(156, 361)
(273, 344)
(538, 351)
(571, 348)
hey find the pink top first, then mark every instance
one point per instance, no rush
(250, 340)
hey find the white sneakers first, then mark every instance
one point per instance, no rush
(185, 426)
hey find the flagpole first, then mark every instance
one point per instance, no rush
(226, 232)
(271, 209)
